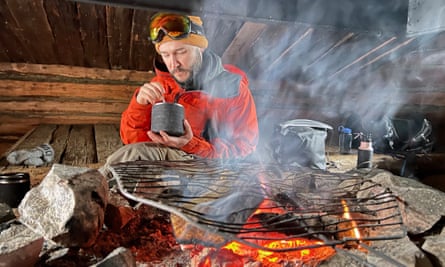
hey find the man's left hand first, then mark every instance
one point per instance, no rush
(172, 141)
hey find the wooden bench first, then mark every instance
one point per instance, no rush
(75, 144)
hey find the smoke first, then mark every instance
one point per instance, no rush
(329, 60)
(340, 60)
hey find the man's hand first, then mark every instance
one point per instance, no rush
(150, 93)
(172, 141)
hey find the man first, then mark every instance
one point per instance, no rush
(220, 115)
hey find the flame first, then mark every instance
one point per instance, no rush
(295, 247)
(347, 216)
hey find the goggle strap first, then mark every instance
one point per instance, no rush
(196, 29)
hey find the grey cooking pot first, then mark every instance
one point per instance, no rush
(168, 117)
(13, 187)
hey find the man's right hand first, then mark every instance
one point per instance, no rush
(150, 93)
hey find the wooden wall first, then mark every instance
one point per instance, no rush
(33, 94)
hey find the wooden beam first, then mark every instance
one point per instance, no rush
(289, 49)
(28, 90)
(76, 72)
(54, 106)
(58, 118)
(362, 57)
(243, 41)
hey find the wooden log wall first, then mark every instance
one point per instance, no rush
(33, 94)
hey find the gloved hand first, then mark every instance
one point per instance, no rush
(36, 156)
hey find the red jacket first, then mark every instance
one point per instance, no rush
(222, 114)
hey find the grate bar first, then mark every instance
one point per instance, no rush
(247, 202)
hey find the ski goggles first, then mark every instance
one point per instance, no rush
(173, 25)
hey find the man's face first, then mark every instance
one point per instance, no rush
(180, 59)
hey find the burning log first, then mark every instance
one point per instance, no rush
(68, 206)
(118, 212)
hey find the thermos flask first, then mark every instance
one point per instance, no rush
(365, 152)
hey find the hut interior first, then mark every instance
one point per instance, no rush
(69, 68)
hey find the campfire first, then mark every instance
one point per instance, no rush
(264, 214)
(208, 213)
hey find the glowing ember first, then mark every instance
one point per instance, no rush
(269, 257)
(282, 248)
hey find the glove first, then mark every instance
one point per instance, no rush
(35, 157)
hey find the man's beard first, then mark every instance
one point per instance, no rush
(196, 67)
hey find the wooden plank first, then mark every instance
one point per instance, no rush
(118, 18)
(42, 44)
(40, 135)
(94, 35)
(418, 76)
(14, 128)
(243, 41)
(13, 41)
(4, 57)
(62, 16)
(272, 42)
(220, 33)
(14, 147)
(5, 145)
(60, 140)
(107, 140)
(59, 118)
(142, 51)
(77, 72)
(94, 92)
(80, 149)
(50, 106)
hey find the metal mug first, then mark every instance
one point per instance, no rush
(168, 117)
(13, 187)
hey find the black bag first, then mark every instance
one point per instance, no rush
(410, 133)
(300, 143)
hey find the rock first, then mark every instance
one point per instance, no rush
(120, 257)
(421, 205)
(348, 258)
(435, 245)
(19, 246)
(68, 206)
(401, 251)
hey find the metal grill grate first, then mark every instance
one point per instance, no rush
(245, 202)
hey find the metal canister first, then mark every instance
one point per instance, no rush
(13, 187)
(168, 117)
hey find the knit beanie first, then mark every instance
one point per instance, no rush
(193, 39)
